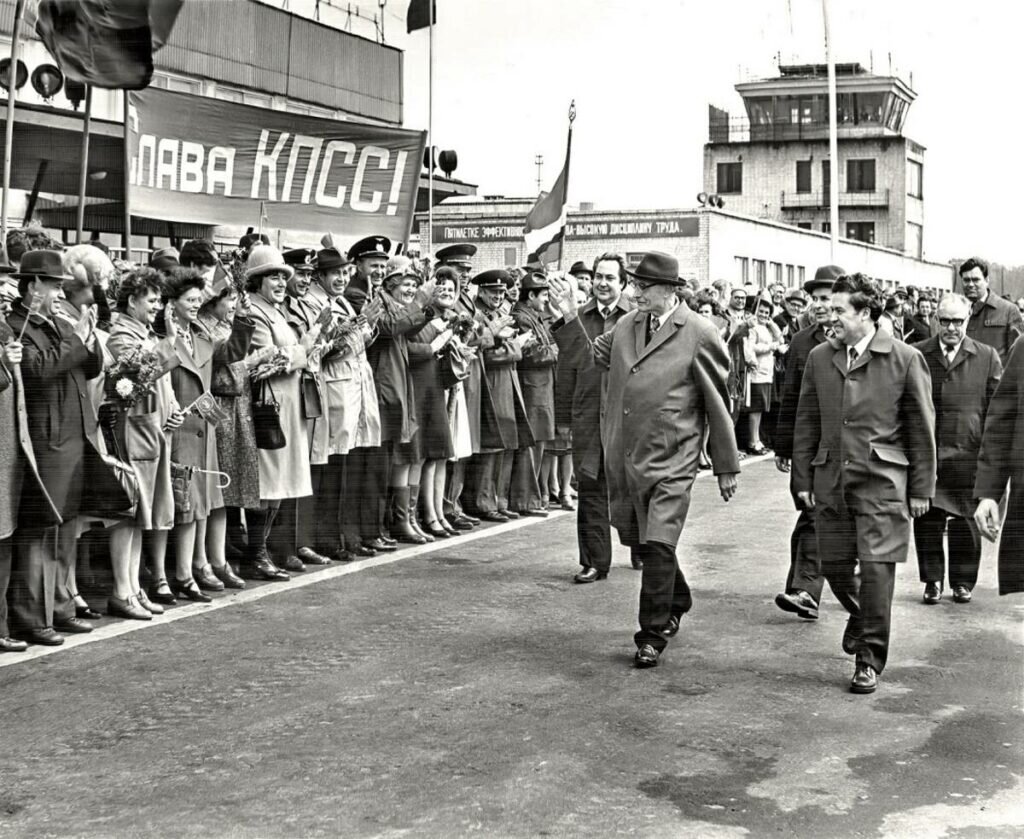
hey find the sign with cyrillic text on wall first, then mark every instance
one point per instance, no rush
(207, 161)
(632, 227)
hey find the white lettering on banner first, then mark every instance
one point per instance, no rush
(338, 199)
(147, 151)
(454, 233)
(268, 162)
(314, 144)
(192, 155)
(357, 202)
(631, 228)
(396, 183)
(167, 164)
(224, 176)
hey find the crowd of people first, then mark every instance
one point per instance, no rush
(224, 417)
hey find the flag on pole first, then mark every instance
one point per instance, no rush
(545, 223)
(420, 13)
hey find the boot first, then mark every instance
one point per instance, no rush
(414, 512)
(401, 528)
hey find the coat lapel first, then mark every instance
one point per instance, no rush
(967, 349)
(666, 331)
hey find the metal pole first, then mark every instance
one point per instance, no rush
(19, 12)
(127, 183)
(430, 136)
(833, 136)
(83, 175)
(565, 179)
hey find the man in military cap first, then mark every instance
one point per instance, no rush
(504, 428)
(370, 256)
(459, 257)
(536, 372)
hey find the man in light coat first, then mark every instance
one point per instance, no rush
(667, 374)
(864, 460)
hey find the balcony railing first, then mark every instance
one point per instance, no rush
(740, 130)
(819, 199)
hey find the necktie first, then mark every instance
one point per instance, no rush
(652, 327)
(950, 355)
(606, 312)
(852, 354)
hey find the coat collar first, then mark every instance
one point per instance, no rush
(667, 330)
(126, 324)
(880, 344)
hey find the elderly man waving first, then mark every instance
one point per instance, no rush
(667, 374)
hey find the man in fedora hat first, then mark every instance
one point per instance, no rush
(59, 358)
(804, 582)
(667, 374)
(584, 276)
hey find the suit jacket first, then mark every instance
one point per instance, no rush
(1001, 459)
(960, 392)
(796, 359)
(864, 439)
(996, 322)
(580, 393)
(661, 394)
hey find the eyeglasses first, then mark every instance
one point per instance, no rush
(947, 322)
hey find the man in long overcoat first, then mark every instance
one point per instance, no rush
(993, 321)
(578, 401)
(864, 459)
(964, 377)
(1002, 459)
(667, 372)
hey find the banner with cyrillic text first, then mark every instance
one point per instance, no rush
(207, 161)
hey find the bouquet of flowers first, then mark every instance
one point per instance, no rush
(133, 376)
(462, 324)
(338, 337)
(275, 365)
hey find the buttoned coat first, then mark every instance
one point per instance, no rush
(504, 425)
(478, 396)
(796, 360)
(536, 370)
(56, 368)
(961, 392)
(864, 440)
(580, 394)
(1001, 459)
(660, 396)
(995, 322)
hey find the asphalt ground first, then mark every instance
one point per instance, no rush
(472, 689)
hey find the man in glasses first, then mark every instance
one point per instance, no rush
(964, 377)
(993, 321)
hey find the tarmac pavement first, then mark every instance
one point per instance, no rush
(472, 689)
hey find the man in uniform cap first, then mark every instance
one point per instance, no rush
(504, 427)
(370, 256)
(667, 374)
(804, 582)
(459, 256)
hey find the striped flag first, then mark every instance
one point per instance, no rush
(545, 223)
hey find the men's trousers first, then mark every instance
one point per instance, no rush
(483, 472)
(6, 556)
(318, 514)
(664, 593)
(455, 482)
(964, 549)
(804, 561)
(369, 470)
(503, 479)
(43, 560)
(526, 479)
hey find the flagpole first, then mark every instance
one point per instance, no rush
(430, 133)
(565, 181)
(84, 173)
(833, 136)
(127, 179)
(19, 12)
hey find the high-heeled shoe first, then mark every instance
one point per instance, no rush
(148, 604)
(188, 590)
(160, 592)
(127, 608)
(84, 610)
(435, 530)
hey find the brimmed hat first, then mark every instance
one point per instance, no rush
(534, 281)
(330, 260)
(824, 277)
(658, 268)
(581, 268)
(370, 246)
(495, 278)
(266, 259)
(198, 252)
(901, 292)
(301, 259)
(459, 254)
(42, 265)
(796, 294)
(164, 259)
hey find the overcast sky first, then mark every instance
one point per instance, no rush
(642, 73)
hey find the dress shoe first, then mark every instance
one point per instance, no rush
(865, 679)
(263, 568)
(379, 545)
(473, 520)
(147, 604)
(293, 564)
(45, 637)
(387, 540)
(127, 608)
(206, 580)
(84, 610)
(637, 563)
(462, 523)
(567, 503)
(226, 574)
(851, 637)
(446, 526)
(188, 590)
(434, 529)
(73, 626)
(672, 627)
(932, 593)
(311, 557)
(495, 516)
(363, 551)
(589, 575)
(160, 592)
(961, 594)
(800, 602)
(646, 656)
(537, 513)
(509, 514)
(10, 645)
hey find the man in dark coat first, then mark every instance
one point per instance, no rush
(804, 582)
(994, 321)
(370, 257)
(864, 460)
(578, 406)
(964, 377)
(1001, 459)
(667, 373)
(58, 360)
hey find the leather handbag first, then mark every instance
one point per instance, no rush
(113, 487)
(311, 404)
(266, 418)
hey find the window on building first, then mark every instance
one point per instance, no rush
(742, 270)
(511, 257)
(803, 176)
(790, 276)
(826, 227)
(861, 231)
(915, 179)
(776, 273)
(730, 178)
(760, 273)
(915, 240)
(860, 175)
(801, 274)
(826, 179)
(805, 225)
